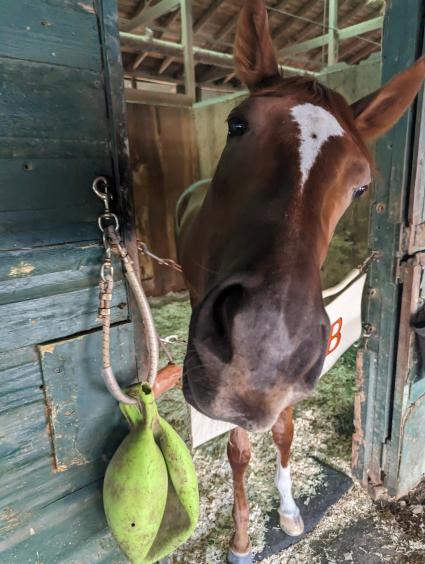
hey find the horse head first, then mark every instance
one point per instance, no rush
(295, 158)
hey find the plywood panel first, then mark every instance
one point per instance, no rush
(164, 162)
(84, 418)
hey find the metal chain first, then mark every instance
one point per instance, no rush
(109, 226)
(143, 248)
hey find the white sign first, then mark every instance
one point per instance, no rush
(346, 328)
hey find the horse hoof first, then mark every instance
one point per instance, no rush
(235, 558)
(292, 525)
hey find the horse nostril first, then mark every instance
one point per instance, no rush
(224, 309)
(215, 322)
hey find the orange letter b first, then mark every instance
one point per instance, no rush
(334, 336)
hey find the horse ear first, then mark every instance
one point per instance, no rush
(376, 113)
(255, 59)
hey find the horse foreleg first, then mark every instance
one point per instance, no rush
(290, 516)
(239, 454)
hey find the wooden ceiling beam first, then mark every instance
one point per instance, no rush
(151, 77)
(345, 33)
(150, 13)
(212, 74)
(361, 53)
(285, 27)
(205, 17)
(197, 27)
(229, 77)
(139, 60)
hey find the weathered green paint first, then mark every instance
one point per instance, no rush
(51, 101)
(72, 212)
(77, 405)
(60, 126)
(381, 396)
(50, 31)
(53, 292)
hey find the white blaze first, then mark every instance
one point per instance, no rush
(316, 126)
(284, 485)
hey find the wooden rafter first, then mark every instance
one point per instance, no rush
(212, 74)
(361, 54)
(149, 13)
(286, 27)
(332, 32)
(187, 41)
(139, 60)
(197, 27)
(345, 33)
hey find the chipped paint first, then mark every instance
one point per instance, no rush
(22, 269)
(49, 348)
(88, 246)
(87, 7)
(359, 398)
(10, 517)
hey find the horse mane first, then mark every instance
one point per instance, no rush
(315, 92)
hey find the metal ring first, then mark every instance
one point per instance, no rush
(105, 194)
(107, 215)
(104, 268)
(106, 244)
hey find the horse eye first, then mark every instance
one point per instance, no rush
(237, 126)
(360, 191)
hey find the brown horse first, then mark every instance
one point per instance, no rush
(252, 242)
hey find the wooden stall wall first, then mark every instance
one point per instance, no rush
(61, 125)
(164, 161)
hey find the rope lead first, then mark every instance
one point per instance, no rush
(109, 226)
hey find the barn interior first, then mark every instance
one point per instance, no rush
(139, 91)
(178, 98)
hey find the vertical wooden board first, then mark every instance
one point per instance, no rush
(164, 162)
(406, 367)
(412, 461)
(394, 162)
(114, 93)
(180, 161)
(84, 418)
(50, 31)
(50, 101)
(366, 366)
(20, 382)
(107, 11)
(28, 484)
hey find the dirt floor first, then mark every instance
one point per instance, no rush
(354, 529)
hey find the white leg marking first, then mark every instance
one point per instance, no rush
(290, 518)
(316, 126)
(284, 485)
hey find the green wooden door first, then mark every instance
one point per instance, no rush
(390, 403)
(61, 124)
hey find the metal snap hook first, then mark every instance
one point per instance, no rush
(107, 216)
(97, 183)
